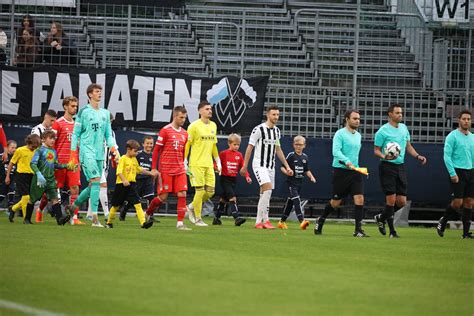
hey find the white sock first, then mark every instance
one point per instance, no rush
(104, 201)
(266, 207)
(89, 211)
(259, 209)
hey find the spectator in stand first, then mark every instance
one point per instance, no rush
(3, 47)
(59, 49)
(27, 22)
(27, 50)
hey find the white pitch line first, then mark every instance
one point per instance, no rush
(26, 309)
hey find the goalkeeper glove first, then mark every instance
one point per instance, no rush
(218, 165)
(186, 167)
(73, 161)
(40, 180)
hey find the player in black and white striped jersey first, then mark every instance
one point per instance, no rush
(48, 121)
(266, 140)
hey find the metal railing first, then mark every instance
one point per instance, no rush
(320, 61)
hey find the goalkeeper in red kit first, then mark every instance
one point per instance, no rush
(232, 161)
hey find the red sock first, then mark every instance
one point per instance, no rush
(181, 208)
(44, 202)
(73, 198)
(155, 204)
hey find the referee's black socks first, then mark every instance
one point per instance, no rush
(358, 216)
(466, 220)
(449, 213)
(387, 213)
(327, 210)
(390, 213)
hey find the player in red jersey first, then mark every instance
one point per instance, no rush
(66, 178)
(232, 161)
(3, 142)
(169, 148)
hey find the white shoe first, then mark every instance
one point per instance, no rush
(181, 226)
(200, 222)
(98, 224)
(190, 213)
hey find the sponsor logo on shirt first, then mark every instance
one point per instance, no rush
(206, 138)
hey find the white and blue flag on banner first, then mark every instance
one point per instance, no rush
(218, 92)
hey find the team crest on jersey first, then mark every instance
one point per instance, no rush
(230, 103)
(304, 160)
(166, 187)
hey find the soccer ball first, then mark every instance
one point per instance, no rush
(392, 149)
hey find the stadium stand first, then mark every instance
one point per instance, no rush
(322, 57)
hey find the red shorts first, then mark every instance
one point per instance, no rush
(67, 178)
(173, 184)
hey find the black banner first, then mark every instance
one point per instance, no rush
(136, 98)
(153, 3)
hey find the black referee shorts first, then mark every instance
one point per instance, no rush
(393, 178)
(123, 193)
(23, 182)
(346, 182)
(465, 187)
(228, 187)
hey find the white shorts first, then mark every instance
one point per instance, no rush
(264, 175)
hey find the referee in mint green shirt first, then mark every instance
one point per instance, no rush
(459, 161)
(346, 146)
(392, 171)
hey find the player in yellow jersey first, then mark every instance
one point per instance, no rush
(24, 174)
(202, 148)
(126, 184)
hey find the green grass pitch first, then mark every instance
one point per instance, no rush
(228, 270)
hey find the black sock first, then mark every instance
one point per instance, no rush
(234, 210)
(449, 213)
(388, 214)
(298, 211)
(64, 197)
(359, 216)
(58, 213)
(327, 210)
(396, 208)
(466, 220)
(29, 212)
(11, 199)
(219, 209)
(287, 209)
